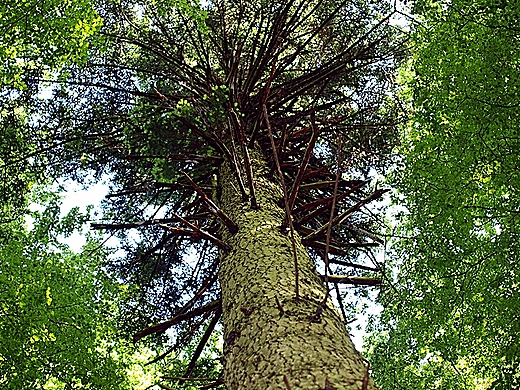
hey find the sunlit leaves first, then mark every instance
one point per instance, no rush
(56, 311)
(453, 315)
(43, 33)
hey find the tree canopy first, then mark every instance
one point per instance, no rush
(180, 92)
(38, 36)
(56, 321)
(451, 321)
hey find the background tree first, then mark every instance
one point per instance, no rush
(56, 326)
(37, 36)
(452, 320)
(59, 311)
(241, 134)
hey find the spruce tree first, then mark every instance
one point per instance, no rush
(239, 138)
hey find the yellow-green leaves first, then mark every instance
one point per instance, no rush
(54, 306)
(36, 34)
(461, 182)
(48, 296)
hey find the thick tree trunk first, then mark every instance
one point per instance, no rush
(268, 334)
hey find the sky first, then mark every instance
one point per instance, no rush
(77, 196)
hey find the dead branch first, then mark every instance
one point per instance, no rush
(232, 226)
(282, 182)
(182, 379)
(354, 265)
(346, 214)
(203, 341)
(335, 249)
(286, 381)
(355, 280)
(217, 383)
(197, 232)
(121, 226)
(305, 162)
(215, 305)
(247, 159)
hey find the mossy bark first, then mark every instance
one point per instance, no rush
(268, 334)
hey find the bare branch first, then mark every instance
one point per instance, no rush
(197, 233)
(305, 161)
(215, 305)
(357, 281)
(346, 214)
(232, 226)
(203, 341)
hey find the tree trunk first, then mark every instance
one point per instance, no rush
(271, 339)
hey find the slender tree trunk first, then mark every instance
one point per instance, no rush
(272, 340)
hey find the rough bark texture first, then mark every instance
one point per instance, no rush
(264, 340)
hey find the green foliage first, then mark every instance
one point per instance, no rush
(15, 173)
(56, 307)
(43, 33)
(453, 321)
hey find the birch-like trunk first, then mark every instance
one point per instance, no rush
(268, 334)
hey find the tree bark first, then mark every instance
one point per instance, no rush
(271, 339)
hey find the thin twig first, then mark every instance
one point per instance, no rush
(183, 379)
(305, 162)
(325, 203)
(202, 343)
(335, 250)
(214, 240)
(247, 159)
(148, 187)
(340, 302)
(161, 356)
(177, 157)
(332, 210)
(182, 340)
(233, 161)
(279, 305)
(146, 255)
(205, 285)
(121, 226)
(329, 231)
(355, 265)
(177, 319)
(197, 233)
(217, 383)
(286, 381)
(354, 280)
(364, 232)
(164, 387)
(346, 214)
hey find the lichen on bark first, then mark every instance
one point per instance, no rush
(268, 333)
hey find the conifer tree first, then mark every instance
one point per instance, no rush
(239, 138)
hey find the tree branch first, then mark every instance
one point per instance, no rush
(215, 305)
(357, 281)
(232, 226)
(203, 341)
